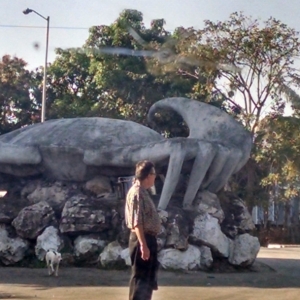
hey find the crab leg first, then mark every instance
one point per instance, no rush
(229, 166)
(177, 156)
(177, 150)
(217, 164)
(203, 159)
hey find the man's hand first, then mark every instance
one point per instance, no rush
(145, 252)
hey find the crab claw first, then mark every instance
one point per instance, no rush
(223, 147)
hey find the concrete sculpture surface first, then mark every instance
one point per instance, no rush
(79, 149)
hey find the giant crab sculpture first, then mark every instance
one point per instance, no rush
(80, 148)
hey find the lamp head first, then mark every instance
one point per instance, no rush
(27, 11)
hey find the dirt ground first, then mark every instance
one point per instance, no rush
(276, 276)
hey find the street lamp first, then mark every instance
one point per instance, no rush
(26, 12)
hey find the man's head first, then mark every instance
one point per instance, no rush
(145, 172)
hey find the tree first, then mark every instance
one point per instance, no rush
(260, 80)
(131, 84)
(18, 89)
(280, 152)
(87, 82)
(71, 90)
(273, 171)
(264, 55)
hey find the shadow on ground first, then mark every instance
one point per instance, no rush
(261, 276)
(12, 296)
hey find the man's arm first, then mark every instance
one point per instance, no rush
(139, 230)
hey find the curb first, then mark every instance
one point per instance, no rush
(277, 246)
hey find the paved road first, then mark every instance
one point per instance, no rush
(276, 276)
(285, 261)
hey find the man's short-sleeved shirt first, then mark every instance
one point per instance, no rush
(140, 210)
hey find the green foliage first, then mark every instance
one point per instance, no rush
(257, 96)
(128, 88)
(18, 105)
(279, 153)
(247, 184)
(71, 89)
(86, 82)
(265, 54)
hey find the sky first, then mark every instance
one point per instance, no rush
(70, 20)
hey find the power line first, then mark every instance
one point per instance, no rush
(52, 27)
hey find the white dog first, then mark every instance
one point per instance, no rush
(53, 258)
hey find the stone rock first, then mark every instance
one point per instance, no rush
(32, 220)
(29, 187)
(123, 234)
(173, 259)
(125, 255)
(207, 231)
(99, 185)
(161, 238)
(10, 206)
(83, 214)
(111, 256)
(96, 220)
(88, 247)
(48, 240)
(207, 202)
(163, 215)
(55, 195)
(244, 250)
(177, 230)
(68, 260)
(206, 260)
(237, 220)
(12, 250)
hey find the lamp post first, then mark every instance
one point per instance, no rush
(26, 12)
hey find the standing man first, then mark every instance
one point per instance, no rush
(144, 222)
